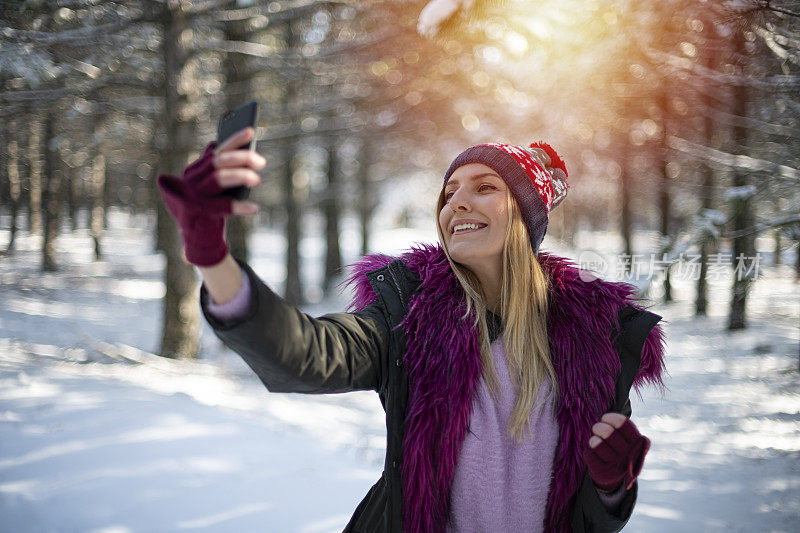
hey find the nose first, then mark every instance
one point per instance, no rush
(459, 201)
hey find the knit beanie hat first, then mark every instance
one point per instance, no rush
(535, 174)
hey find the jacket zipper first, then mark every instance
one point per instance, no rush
(397, 286)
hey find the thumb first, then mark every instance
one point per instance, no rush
(636, 459)
(173, 193)
(244, 208)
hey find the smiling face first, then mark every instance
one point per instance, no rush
(476, 196)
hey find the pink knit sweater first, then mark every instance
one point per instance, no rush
(500, 484)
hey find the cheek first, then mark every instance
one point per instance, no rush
(444, 219)
(506, 217)
(501, 216)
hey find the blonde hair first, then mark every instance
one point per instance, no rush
(524, 306)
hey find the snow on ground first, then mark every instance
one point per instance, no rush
(97, 434)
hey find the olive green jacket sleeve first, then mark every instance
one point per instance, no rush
(291, 351)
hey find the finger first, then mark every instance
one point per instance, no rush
(602, 430)
(239, 158)
(234, 177)
(594, 441)
(244, 208)
(605, 453)
(240, 138)
(614, 419)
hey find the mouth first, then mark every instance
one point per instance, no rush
(462, 229)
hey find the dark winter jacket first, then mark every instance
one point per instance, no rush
(404, 339)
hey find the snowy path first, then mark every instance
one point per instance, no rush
(92, 441)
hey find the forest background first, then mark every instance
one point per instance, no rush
(676, 116)
(119, 409)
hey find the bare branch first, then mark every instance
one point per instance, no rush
(198, 8)
(741, 162)
(81, 35)
(294, 132)
(751, 123)
(781, 221)
(775, 82)
(238, 47)
(40, 94)
(78, 4)
(76, 89)
(293, 10)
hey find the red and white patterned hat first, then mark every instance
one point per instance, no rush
(535, 174)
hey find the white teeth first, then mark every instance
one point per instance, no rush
(461, 227)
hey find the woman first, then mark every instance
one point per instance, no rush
(504, 374)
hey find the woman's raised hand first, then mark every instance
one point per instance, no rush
(234, 167)
(615, 453)
(198, 202)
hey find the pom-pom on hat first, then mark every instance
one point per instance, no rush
(535, 174)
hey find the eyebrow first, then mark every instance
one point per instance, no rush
(475, 177)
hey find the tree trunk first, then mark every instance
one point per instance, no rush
(181, 316)
(11, 188)
(237, 91)
(72, 190)
(708, 182)
(162, 217)
(701, 300)
(74, 193)
(366, 202)
(330, 209)
(5, 186)
(237, 229)
(14, 191)
(778, 245)
(797, 259)
(625, 202)
(330, 205)
(293, 291)
(665, 211)
(51, 197)
(35, 177)
(98, 184)
(741, 206)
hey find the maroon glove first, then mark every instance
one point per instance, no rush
(618, 457)
(200, 208)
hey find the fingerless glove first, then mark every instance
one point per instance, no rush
(619, 458)
(199, 207)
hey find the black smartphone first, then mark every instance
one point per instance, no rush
(231, 122)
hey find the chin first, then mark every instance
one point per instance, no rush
(464, 257)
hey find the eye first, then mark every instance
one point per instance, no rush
(492, 187)
(447, 195)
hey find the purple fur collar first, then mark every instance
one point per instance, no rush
(444, 369)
